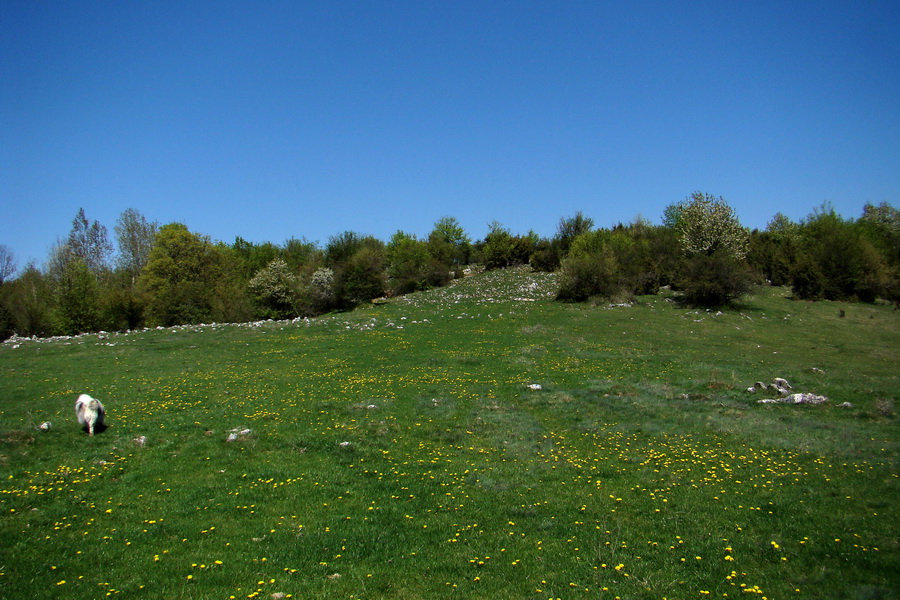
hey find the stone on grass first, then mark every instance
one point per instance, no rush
(800, 398)
(236, 433)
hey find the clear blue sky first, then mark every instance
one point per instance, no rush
(270, 120)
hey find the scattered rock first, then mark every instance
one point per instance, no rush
(45, 426)
(778, 384)
(344, 444)
(817, 370)
(534, 387)
(845, 405)
(801, 398)
(782, 383)
(237, 433)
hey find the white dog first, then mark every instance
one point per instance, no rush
(90, 413)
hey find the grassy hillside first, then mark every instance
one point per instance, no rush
(399, 451)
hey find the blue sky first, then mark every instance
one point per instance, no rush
(272, 120)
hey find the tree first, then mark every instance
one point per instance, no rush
(499, 247)
(300, 252)
(135, 236)
(358, 265)
(774, 252)
(78, 294)
(448, 243)
(706, 225)
(845, 262)
(780, 224)
(407, 262)
(321, 290)
(714, 243)
(362, 277)
(881, 225)
(180, 277)
(89, 242)
(549, 254)
(255, 256)
(231, 301)
(570, 228)
(29, 299)
(341, 247)
(7, 263)
(276, 287)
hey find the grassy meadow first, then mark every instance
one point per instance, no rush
(399, 451)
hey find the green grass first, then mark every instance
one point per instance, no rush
(397, 452)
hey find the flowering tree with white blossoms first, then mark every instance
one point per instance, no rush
(322, 288)
(715, 244)
(276, 288)
(706, 225)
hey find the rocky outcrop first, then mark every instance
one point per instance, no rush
(784, 388)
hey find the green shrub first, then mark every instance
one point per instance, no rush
(275, 288)
(715, 280)
(808, 281)
(363, 277)
(587, 276)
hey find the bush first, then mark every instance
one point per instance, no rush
(407, 259)
(587, 276)
(808, 281)
(499, 247)
(545, 257)
(275, 288)
(437, 274)
(321, 290)
(714, 280)
(846, 265)
(363, 277)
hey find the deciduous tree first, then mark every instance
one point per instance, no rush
(714, 242)
(89, 241)
(135, 236)
(706, 225)
(78, 298)
(276, 288)
(449, 244)
(7, 263)
(407, 262)
(180, 277)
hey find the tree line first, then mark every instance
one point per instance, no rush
(163, 275)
